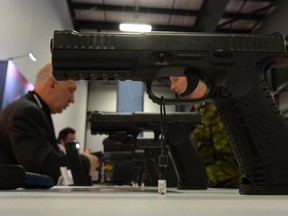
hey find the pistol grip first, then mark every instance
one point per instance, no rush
(259, 135)
(186, 159)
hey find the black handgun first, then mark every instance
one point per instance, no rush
(231, 65)
(189, 167)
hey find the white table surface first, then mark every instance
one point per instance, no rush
(121, 201)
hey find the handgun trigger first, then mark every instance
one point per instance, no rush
(192, 83)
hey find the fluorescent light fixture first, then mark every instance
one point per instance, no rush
(32, 57)
(135, 27)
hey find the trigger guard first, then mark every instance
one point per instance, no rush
(192, 83)
(151, 95)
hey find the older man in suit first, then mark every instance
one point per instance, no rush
(26, 129)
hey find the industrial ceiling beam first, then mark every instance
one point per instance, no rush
(149, 10)
(210, 13)
(207, 17)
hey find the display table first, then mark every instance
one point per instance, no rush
(125, 201)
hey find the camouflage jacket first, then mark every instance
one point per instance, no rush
(214, 147)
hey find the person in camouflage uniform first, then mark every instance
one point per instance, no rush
(214, 147)
(211, 141)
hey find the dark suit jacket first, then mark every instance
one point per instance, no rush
(27, 137)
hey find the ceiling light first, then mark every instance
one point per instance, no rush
(31, 56)
(135, 27)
